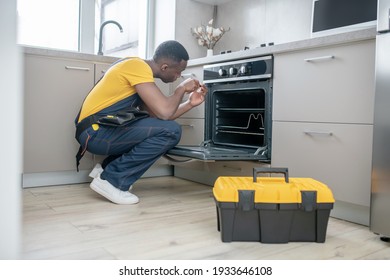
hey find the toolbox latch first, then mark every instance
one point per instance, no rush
(309, 200)
(246, 200)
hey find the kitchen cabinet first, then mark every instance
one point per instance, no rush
(334, 84)
(53, 92)
(54, 89)
(192, 122)
(192, 131)
(100, 69)
(323, 121)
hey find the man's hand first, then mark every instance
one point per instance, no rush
(198, 96)
(190, 85)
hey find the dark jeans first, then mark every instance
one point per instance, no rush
(132, 149)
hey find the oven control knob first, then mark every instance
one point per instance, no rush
(244, 69)
(222, 72)
(232, 71)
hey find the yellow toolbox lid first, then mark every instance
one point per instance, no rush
(270, 189)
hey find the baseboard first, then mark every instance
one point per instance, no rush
(342, 210)
(351, 212)
(199, 176)
(30, 180)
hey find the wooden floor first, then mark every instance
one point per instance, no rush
(175, 220)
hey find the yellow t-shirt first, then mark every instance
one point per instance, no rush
(117, 84)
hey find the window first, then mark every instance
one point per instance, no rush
(131, 15)
(48, 23)
(59, 24)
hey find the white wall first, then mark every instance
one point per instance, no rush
(251, 22)
(164, 25)
(191, 14)
(247, 22)
(11, 134)
(265, 21)
(287, 21)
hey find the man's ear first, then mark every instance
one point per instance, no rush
(164, 67)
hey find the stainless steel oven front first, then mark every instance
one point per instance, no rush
(238, 112)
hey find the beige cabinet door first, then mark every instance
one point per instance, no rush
(100, 70)
(323, 104)
(53, 92)
(332, 84)
(192, 131)
(338, 155)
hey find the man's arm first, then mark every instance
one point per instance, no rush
(165, 107)
(196, 98)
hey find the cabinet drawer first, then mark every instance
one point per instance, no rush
(333, 84)
(337, 154)
(192, 131)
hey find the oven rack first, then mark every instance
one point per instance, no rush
(251, 117)
(244, 110)
(241, 132)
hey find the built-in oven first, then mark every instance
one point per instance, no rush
(238, 110)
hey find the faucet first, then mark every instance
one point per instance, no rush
(100, 52)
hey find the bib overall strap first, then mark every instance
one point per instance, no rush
(80, 127)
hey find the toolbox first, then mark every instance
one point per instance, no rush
(272, 209)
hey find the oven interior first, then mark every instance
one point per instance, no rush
(237, 115)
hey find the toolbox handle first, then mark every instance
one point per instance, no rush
(282, 170)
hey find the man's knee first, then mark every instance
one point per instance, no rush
(174, 131)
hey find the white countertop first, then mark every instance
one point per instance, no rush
(68, 54)
(336, 39)
(342, 38)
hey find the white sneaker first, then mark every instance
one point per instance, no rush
(113, 194)
(96, 171)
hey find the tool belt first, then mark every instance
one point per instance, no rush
(122, 118)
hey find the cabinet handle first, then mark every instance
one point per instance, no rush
(187, 125)
(327, 57)
(76, 68)
(318, 133)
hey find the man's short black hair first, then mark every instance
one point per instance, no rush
(171, 49)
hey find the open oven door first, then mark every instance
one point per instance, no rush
(207, 151)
